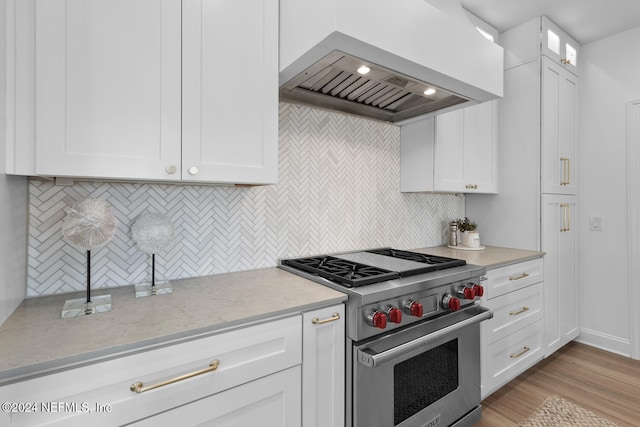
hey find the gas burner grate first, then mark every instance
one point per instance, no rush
(436, 261)
(348, 273)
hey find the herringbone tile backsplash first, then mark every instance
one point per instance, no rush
(338, 189)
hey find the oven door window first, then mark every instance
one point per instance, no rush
(424, 379)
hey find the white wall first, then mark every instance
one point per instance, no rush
(13, 212)
(609, 80)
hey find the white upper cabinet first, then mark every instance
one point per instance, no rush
(108, 88)
(459, 154)
(145, 90)
(230, 91)
(559, 46)
(558, 126)
(466, 150)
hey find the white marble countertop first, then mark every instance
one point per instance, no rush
(34, 339)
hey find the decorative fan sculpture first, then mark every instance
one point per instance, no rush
(152, 233)
(89, 225)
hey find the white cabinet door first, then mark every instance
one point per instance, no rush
(108, 88)
(466, 150)
(230, 91)
(481, 148)
(448, 161)
(272, 401)
(559, 46)
(560, 284)
(559, 101)
(323, 369)
(417, 141)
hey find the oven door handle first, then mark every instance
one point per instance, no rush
(370, 358)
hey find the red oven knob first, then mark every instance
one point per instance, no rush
(377, 319)
(414, 308)
(394, 314)
(479, 290)
(468, 293)
(450, 302)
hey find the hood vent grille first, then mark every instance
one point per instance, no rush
(381, 94)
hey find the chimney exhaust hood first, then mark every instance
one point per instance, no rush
(385, 60)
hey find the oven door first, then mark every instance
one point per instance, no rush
(425, 375)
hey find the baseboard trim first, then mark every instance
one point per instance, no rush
(605, 342)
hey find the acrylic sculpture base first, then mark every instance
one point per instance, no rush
(146, 290)
(80, 307)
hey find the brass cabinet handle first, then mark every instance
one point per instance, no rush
(565, 61)
(520, 353)
(138, 387)
(566, 217)
(316, 321)
(522, 276)
(566, 171)
(516, 312)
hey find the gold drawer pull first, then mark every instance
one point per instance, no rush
(523, 351)
(138, 387)
(522, 310)
(316, 321)
(522, 276)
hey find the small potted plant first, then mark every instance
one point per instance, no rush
(467, 229)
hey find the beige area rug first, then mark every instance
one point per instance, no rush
(558, 412)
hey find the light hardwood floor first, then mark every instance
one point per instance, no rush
(602, 382)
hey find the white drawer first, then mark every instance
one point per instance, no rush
(512, 277)
(511, 312)
(503, 360)
(243, 354)
(270, 401)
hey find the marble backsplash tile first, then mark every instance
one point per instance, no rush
(338, 189)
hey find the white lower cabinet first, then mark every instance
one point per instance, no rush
(323, 354)
(512, 339)
(247, 376)
(251, 375)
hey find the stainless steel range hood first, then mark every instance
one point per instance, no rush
(408, 47)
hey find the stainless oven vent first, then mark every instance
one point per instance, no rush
(381, 94)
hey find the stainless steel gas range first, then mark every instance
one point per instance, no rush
(413, 335)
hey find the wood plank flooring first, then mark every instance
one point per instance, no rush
(602, 382)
